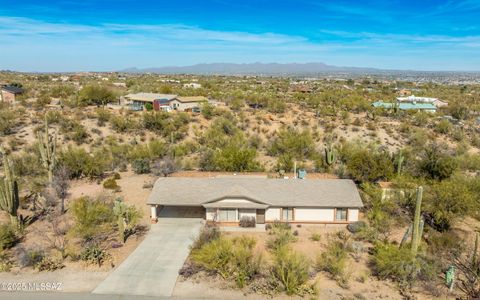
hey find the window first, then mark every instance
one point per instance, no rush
(287, 214)
(341, 214)
(227, 215)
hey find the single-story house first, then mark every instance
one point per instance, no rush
(428, 107)
(414, 99)
(226, 200)
(9, 93)
(141, 99)
(187, 103)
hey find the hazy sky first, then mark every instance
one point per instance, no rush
(111, 35)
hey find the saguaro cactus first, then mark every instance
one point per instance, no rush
(417, 226)
(399, 162)
(9, 199)
(330, 155)
(47, 145)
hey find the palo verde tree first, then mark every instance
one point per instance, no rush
(47, 145)
(9, 199)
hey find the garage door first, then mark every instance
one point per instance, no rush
(182, 212)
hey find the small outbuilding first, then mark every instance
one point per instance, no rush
(9, 93)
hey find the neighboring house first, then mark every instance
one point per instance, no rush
(192, 85)
(9, 93)
(139, 100)
(428, 107)
(227, 200)
(187, 103)
(404, 92)
(414, 99)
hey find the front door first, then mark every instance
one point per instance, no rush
(260, 216)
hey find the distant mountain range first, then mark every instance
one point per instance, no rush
(255, 69)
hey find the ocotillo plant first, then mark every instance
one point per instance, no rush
(9, 199)
(330, 155)
(47, 145)
(417, 234)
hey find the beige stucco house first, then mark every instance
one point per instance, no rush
(187, 103)
(227, 200)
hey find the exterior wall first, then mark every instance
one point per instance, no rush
(272, 214)
(184, 106)
(352, 214)
(314, 214)
(210, 214)
(8, 97)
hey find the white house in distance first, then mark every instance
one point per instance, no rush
(225, 200)
(192, 85)
(414, 99)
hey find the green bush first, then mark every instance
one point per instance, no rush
(8, 236)
(95, 255)
(398, 264)
(93, 217)
(294, 143)
(282, 235)
(111, 184)
(141, 166)
(334, 260)
(48, 264)
(291, 269)
(207, 234)
(6, 263)
(229, 258)
(367, 163)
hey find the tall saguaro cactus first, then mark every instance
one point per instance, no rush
(47, 145)
(399, 161)
(9, 199)
(330, 155)
(417, 226)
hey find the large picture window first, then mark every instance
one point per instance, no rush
(341, 214)
(287, 214)
(227, 215)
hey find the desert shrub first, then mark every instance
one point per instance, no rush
(316, 237)
(8, 236)
(229, 258)
(291, 269)
(281, 236)
(127, 216)
(93, 217)
(95, 255)
(206, 235)
(7, 121)
(245, 263)
(96, 95)
(356, 226)
(367, 163)
(208, 110)
(49, 264)
(164, 167)
(80, 163)
(30, 257)
(293, 143)
(103, 116)
(173, 126)
(435, 163)
(247, 221)
(148, 107)
(111, 184)
(449, 199)
(401, 265)
(215, 256)
(6, 263)
(334, 260)
(141, 166)
(122, 123)
(443, 127)
(153, 150)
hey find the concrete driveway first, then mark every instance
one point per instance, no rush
(152, 269)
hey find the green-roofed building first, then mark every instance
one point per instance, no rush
(428, 107)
